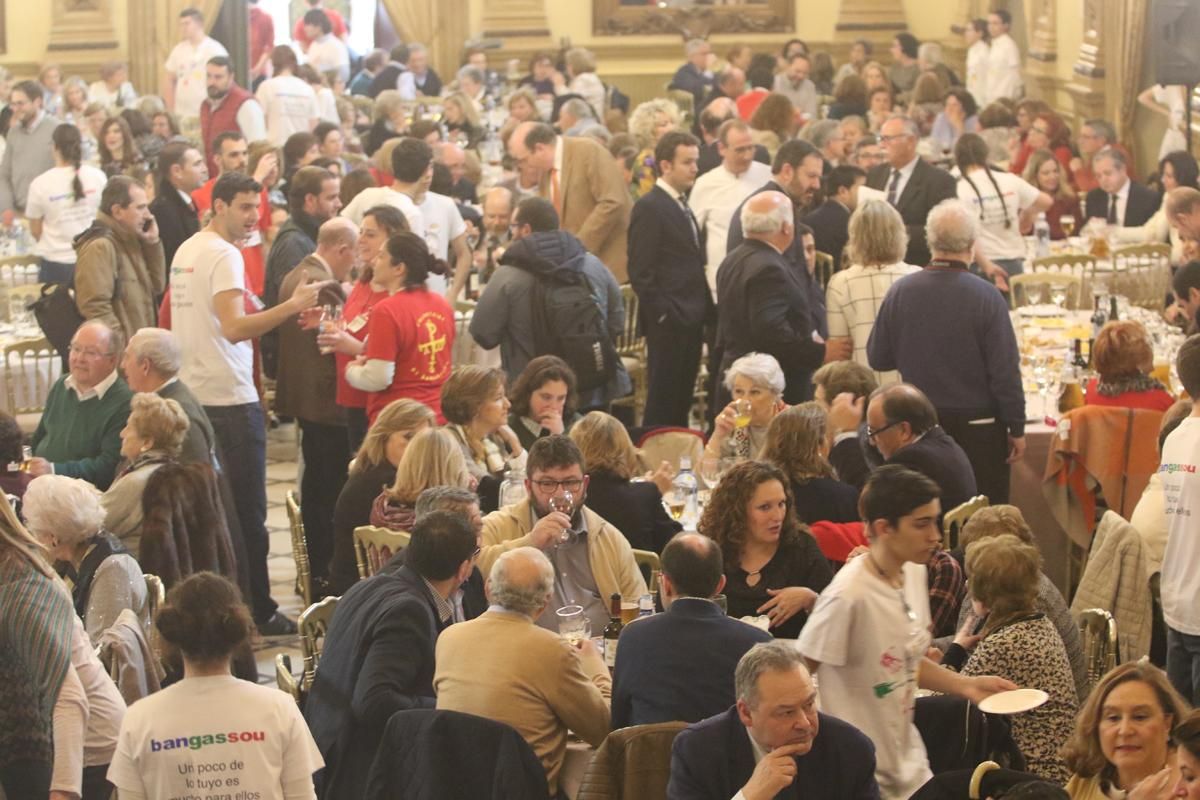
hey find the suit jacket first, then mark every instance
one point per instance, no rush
(306, 378)
(765, 309)
(710, 157)
(177, 220)
(200, 444)
(377, 660)
(940, 458)
(927, 186)
(595, 201)
(690, 79)
(666, 262)
(713, 760)
(1141, 204)
(693, 638)
(831, 229)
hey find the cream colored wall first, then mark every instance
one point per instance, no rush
(27, 34)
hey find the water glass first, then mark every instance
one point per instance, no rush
(573, 625)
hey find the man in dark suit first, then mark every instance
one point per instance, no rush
(1119, 200)
(181, 171)
(831, 220)
(903, 425)
(714, 115)
(693, 637)
(912, 186)
(666, 270)
(764, 305)
(773, 743)
(729, 82)
(694, 76)
(379, 653)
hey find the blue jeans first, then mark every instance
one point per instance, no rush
(1013, 266)
(1183, 664)
(241, 433)
(55, 272)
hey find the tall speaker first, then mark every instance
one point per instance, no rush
(1174, 35)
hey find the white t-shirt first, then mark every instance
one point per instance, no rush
(1004, 79)
(977, 58)
(215, 737)
(443, 224)
(1181, 559)
(52, 200)
(373, 196)
(1173, 97)
(187, 63)
(996, 240)
(329, 53)
(327, 106)
(219, 372)
(870, 638)
(290, 105)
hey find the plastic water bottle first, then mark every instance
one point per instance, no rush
(512, 488)
(684, 506)
(1041, 232)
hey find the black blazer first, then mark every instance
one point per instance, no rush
(927, 186)
(666, 262)
(712, 760)
(635, 509)
(826, 500)
(1142, 204)
(693, 638)
(689, 79)
(831, 229)
(765, 309)
(939, 457)
(377, 660)
(795, 252)
(177, 222)
(710, 157)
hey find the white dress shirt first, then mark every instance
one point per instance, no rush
(714, 200)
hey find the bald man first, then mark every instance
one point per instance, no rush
(763, 308)
(305, 387)
(497, 217)
(455, 160)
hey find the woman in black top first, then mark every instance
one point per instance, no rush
(543, 400)
(773, 565)
(798, 443)
(372, 471)
(634, 507)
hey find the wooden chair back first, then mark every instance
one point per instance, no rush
(954, 519)
(374, 547)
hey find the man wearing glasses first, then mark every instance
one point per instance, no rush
(592, 559)
(79, 434)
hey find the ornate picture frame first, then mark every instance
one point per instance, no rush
(691, 18)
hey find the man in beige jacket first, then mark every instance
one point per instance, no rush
(503, 667)
(591, 558)
(120, 274)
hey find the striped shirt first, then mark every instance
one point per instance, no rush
(852, 301)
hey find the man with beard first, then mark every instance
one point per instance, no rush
(229, 107)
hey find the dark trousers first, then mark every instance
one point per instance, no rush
(1183, 664)
(26, 779)
(356, 427)
(672, 362)
(55, 272)
(986, 447)
(241, 432)
(326, 453)
(95, 784)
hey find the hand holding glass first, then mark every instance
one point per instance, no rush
(564, 504)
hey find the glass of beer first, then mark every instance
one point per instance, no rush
(573, 625)
(1067, 222)
(629, 612)
(741, 413)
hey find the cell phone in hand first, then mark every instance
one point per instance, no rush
(147, 225)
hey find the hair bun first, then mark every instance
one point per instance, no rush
(437, 266)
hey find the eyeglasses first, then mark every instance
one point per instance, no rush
(570, 484)
(87, 352)
(873, 432)
(895, 138)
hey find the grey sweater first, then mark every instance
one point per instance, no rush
(27, 155)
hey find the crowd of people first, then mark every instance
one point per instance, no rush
(314, 247)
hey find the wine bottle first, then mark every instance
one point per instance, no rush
(612, 631)
(1112, 308)
(1098, 318)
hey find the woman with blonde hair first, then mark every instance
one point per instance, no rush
(462, 118)
(433, 458)
(798, 442)
(522, 106)
(875, 250)
(152, 436)
(633, 506)
(1004, 573)
(648, 122)
(372, 471)
(1046, 174)
(1121, 743)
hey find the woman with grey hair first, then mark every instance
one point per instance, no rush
(875, 250)
(66, 515)
(756, 383)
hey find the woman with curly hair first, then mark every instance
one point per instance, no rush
(1049, 131)
(648, 122)
(774, 122)
(798, 442)
(772, 564)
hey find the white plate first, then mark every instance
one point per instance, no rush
(1013, 702)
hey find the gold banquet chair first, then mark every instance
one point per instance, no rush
(954, 519)
(824, 269)
(1032, 289)
(1098, 632)
(631, 349)
(1142, 273)
(313, 625)
(30, 368)
(374, 547)
(650, 565)
(284, 678)
(299, 549)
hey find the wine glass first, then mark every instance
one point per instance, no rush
(710, 471)
(741, 413)
(1058, 294)
(564, 504)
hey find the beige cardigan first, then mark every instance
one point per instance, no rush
(609, 552)
(1117, 580)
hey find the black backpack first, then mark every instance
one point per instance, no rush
(567, 323)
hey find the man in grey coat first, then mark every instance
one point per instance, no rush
(28, 152)
(503, 315)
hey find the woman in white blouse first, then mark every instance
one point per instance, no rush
(581, 79)
(875, 250)
(1175, 170)
(976, 36)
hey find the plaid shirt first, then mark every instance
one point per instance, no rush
(947, 588)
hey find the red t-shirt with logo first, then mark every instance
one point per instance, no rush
(356, 314)
(414, 329)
